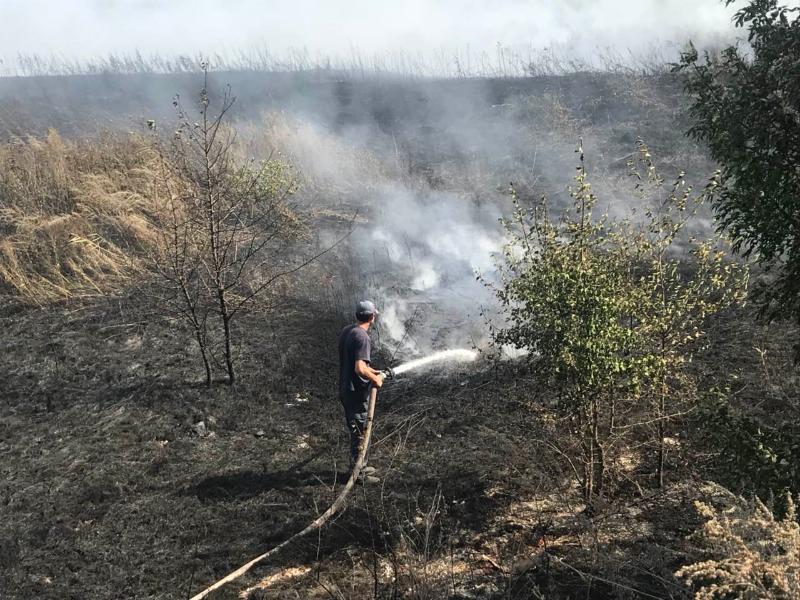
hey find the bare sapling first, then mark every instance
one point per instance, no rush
(225, 227)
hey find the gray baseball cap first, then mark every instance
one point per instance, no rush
(366, 307)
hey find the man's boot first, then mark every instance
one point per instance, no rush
(367, 475)
(363, 479)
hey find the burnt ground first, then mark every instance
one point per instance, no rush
(109, 488)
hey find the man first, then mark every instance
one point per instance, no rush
(355, 377)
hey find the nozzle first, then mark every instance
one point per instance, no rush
(388, 373)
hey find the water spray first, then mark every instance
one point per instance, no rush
(455, 355)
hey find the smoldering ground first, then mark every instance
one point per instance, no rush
(426, 163)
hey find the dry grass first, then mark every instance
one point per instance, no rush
(73, 215)
(754, 555)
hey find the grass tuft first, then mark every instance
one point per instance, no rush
(74, 216)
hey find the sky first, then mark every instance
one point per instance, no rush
(86, 28)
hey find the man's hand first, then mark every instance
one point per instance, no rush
(379, 377)
(373, 375)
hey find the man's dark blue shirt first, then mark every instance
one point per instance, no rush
(354, 345)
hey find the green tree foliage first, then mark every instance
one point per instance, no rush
(756, 458)
(611, 313)
(746, 107)
(675, 299)
(566, 291)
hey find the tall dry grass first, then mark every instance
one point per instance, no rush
(751, 554)
(74, 216)
(465, 62)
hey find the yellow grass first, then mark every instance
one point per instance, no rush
(74, 215)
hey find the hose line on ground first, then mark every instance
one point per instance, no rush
(319, 521)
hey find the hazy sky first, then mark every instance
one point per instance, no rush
(82, 28)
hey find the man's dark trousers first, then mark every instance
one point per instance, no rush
(356, 408)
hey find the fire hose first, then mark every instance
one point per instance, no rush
(459, 355)
(324, 517)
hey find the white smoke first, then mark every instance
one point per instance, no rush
(416, 250)
(426, 277)
(392, 322)
(433, 243)
(399, 33)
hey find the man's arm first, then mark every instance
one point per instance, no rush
(374, 376)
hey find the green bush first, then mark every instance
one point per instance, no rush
(612, 312)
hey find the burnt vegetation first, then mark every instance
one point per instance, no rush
(174, 271)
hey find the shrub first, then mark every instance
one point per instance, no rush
(569, 299)
(753, 555)
(225, 226)
(751, 455)
(611, 313)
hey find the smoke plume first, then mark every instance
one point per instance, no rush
(421, 32)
